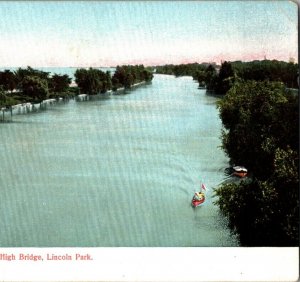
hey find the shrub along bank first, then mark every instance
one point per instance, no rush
(261, 129)
(93, 81)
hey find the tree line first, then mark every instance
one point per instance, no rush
(260, 117)
(219, 79)
(92, 81)
(266, 70)
(194, 69)
(32, 85)
(261, 132)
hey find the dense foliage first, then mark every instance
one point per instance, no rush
(224, 79)
(219, 79)
(193, 70)
(6, 100)
(59, 83)
(261, 121)
(266, 70)
(8, 80)
(92, 81)
(208, 78)
(31, 85)
(126, 76)
(35, 88)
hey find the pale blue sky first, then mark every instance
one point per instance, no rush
(95, 33)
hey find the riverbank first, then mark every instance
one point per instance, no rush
(25, 108)
(87, 97)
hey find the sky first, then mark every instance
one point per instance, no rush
(110, 33)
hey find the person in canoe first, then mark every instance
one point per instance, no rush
(199, 197)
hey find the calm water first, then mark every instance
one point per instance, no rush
(120, 171)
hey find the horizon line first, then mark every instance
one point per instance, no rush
(147, 65)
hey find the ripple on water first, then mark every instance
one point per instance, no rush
(115, 172)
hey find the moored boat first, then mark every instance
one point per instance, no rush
(240, 171)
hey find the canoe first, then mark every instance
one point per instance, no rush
(197, 201)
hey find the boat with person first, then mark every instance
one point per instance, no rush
(199, 197)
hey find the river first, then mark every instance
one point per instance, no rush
(118, 171)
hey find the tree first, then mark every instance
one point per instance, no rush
(225, 78)
(108, 80)
(119, 75)
(81, 79)
(201, 78)
(8, 80)
(126, 76)
(21, 74)
(6, 100)
(268, 70)
(92, 81)
(115, 83)
(60, 83)
(147, 75)
(129, 80)
(252, 114)
(261, 122)
(210, 77)
(35, 88)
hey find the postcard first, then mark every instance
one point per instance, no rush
(149, 141)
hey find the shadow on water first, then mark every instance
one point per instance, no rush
(119, 93)
(14, 121)
(211, 93)
(104, 96)
(131, 90)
